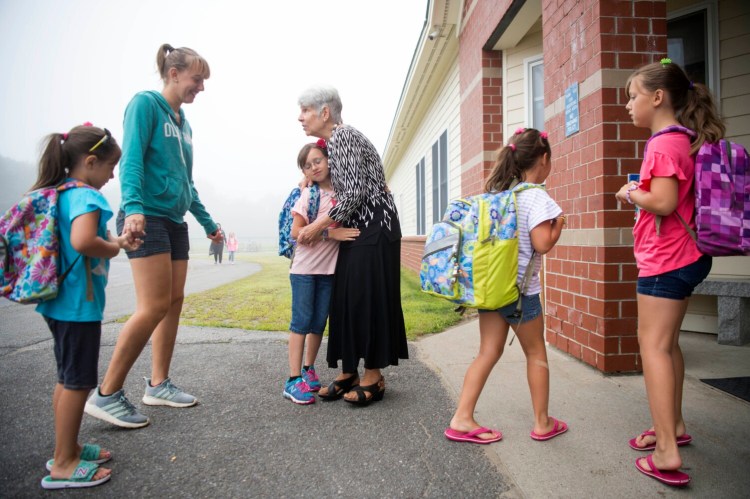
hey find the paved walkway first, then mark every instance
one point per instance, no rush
(245, 440)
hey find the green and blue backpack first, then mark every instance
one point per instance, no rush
(471, 255)
(286, 242)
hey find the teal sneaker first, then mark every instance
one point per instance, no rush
(311, 378)
(298, 392)
(166, 393)
(115, 409)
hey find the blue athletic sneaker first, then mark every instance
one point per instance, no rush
(115, 409)
(166, 393)
(298, 392)
(311, 378)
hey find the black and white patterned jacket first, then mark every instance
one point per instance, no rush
(357, 176)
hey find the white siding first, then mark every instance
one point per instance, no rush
(443, 114)
(514, 85)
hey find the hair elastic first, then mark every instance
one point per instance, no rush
(65, 136)
(666, 61)
(88, 123)
(691, 86)
(543, 135)
(512, 147)
(519, 131)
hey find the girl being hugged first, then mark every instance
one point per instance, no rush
(669, 262)
(526, 158)
(156, 177)
(88, 155)
(311, 277)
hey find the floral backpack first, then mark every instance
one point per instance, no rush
(722, 197)
(471, 255)
(29, 247)
(286, 242)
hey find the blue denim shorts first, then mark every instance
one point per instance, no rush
(162, 236)
(531, 308)
(311, 300)
(76, 352)
(677, 284)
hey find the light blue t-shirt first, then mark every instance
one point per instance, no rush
(71, 304)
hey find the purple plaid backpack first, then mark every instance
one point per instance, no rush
(722, 197)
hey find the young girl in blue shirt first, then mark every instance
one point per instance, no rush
(88, 155)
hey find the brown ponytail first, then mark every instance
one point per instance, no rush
(181, 58)
(524, 148)
(692, 103)
(63, 150)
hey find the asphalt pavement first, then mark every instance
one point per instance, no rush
(245, 440)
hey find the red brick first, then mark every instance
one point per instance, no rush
(589, 356)
(620, 363)
(629, 345)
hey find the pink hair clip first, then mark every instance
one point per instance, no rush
(65, 136)
(512, 147)
(543, 135)
(88, 123)
(321, 143)
(519, 131)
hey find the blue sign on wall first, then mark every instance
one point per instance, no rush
(571, 109)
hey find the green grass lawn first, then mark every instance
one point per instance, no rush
(262, 302)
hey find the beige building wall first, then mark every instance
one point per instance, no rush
(443, 115)
(515, 87)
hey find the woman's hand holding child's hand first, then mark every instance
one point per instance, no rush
(126, 240)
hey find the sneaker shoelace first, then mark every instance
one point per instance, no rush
(128, 405)
(312, 375)
(172, 389)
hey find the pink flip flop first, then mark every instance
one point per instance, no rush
(670, 477)
(560, 427)
(471, 436)
(681, 440)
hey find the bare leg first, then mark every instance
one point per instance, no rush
(68, 406)
(165, 335)
(531, 336)
(296, 346)
(493, 331)
(659, 320)
(152, 278)
(313, 345)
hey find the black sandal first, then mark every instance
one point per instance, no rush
(376, 394)
(338, 388)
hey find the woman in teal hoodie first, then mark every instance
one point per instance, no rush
(156, 176)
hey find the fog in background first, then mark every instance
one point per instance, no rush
(67, 62)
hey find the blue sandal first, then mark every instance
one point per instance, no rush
(89, 453)
(83, 476)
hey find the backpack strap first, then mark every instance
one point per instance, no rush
(61, 187)
(314, 204)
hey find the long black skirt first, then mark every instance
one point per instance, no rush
(366, 320)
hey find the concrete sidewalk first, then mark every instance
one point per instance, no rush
(593, 458)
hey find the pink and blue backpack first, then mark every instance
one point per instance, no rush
(722, 197)
(287, 244)
(29, 246)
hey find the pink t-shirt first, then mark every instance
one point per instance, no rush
(667, 155)
(319, 258)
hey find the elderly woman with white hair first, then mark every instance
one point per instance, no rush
(366, 320)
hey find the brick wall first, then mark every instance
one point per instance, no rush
(411, 251)
(590, 293)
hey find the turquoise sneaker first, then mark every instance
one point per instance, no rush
(298, 392)
(166, 393)
(311, 378)
(115, 409)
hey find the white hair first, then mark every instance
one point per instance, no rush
(320, 97)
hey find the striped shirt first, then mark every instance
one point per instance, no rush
(534, 206)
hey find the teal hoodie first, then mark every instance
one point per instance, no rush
(156, 168)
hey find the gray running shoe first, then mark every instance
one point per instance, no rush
(165, 393)
(115, 409)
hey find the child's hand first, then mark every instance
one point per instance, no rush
(304, 182)
(343, 234)
(622, 194)
(126, 240)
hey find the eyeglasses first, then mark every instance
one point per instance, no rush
(315, 162)
(102, 141)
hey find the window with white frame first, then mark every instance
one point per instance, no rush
(439, 177)
(691, 43)
(421, 219)
(534, 70)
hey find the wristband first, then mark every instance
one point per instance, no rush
(325, 234)
(627, 194)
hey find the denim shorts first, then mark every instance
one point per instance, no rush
(76, 352)
(677, 284)
(531, 308)
(311, 300)
(162, 236)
